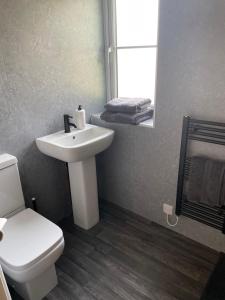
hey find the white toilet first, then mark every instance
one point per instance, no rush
(31, 244)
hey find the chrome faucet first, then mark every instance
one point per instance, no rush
(67, 123)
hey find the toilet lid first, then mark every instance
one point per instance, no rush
(27, 236)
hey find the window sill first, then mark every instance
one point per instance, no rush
(148, 123)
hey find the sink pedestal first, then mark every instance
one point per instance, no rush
(83, 185)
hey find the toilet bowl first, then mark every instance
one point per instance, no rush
(31, 244)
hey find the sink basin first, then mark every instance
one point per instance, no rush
(78, 148)
(77, 145)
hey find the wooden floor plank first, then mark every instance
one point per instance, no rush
(114, 283)
(164, 251)
(88, 236)
(131, 278)
(59, 294)
(75, 290)
(141, 223)
(88, 281)
(153, 269)
(164, 237)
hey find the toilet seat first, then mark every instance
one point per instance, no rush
(29, 239)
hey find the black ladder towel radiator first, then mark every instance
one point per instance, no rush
(206, 132)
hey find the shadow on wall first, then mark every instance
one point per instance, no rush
(50, 184)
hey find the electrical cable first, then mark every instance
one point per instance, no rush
(170, 224)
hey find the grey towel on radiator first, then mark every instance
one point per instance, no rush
(206, 181)
(195, 179)
(125, 118)
(128, 105)
(213, 182)
(222, 194)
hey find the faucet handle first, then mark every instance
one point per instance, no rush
(67, 117)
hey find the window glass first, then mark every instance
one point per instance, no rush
(136, 72)
(137, 22)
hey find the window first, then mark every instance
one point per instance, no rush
(131, 28)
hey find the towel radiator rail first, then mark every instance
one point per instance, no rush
(207, 132)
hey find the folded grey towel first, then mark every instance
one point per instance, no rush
(222, 193)
(213, 182)
(126, 118)
(206, 181)
(128, 105)
(195, 179)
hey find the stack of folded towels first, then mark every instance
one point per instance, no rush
(128, 110)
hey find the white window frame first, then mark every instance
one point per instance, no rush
(109, 13)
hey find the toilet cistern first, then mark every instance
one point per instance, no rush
(78, 148)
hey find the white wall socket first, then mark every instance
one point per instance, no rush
(168, 209)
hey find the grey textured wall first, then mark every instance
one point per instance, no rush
(51, 59)
(139, 172)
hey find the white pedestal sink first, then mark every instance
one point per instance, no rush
(78, 148)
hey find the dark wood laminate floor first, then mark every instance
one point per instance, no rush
(125, 257)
